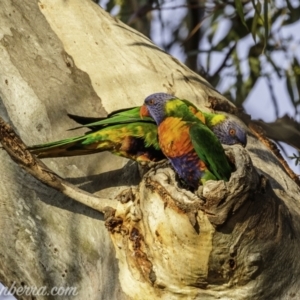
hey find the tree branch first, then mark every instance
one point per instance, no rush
(258, 131)
(16, 149)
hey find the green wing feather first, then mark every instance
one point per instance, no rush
(119, 139)
(204, 141)
(123, 116)
(189, 104)
(117, 117)
(210, 150)
(99, 139)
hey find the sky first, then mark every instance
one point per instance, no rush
(3, 295)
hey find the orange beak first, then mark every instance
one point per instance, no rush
(144, 112)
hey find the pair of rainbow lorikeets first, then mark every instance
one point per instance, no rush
(164, 127)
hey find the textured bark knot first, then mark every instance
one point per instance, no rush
(175, 242)
(223, 199)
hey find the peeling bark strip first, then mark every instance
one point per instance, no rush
(17, 151)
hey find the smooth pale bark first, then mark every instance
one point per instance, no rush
(240, 243)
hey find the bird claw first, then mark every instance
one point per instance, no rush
(146, 166)
(159, 164)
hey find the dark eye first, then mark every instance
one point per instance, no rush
(232, 132)
(151, 101)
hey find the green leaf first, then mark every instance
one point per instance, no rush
(217, 15)
(255, 19)
(294, 14)
(266, 21)
(240, 11)
(213, 29)
(254, 64)
(296, 69)
(282, 12)
(110, 5)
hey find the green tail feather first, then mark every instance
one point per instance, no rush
(134, 140)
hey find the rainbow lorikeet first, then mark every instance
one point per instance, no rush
(192, 148)
(126, 134)
(136, 141)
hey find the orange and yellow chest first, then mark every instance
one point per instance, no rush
(174, 137)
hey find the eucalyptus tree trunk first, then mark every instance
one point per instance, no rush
(235, 240)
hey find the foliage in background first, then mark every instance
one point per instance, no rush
(209, 33)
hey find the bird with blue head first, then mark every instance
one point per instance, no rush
(194, 150)
(125, 133)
